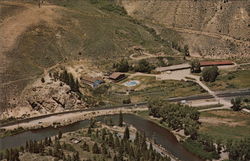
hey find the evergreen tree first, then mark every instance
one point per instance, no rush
(120, 119)
(59, 135)
(1, 156)
(115, 158)
(27, 146)
(89, 132)
(7, 154)
(95, 149)
(126, 134)
(85, 147)
(110, 140)
(104, 150)
(111, 123)
(76, 156)
(49, 141)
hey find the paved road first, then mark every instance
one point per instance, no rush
(140, 104)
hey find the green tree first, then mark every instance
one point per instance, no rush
(195, 66)
(144, 66)
(209, 74)
(186, 50)
(236, 102)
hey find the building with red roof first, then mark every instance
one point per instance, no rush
(216, 63)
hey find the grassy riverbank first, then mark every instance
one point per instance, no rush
(225, 125)
(197, 148)
(16, 131)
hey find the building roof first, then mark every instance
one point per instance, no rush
(210, 63)
(91, 79)
(173, 67)
(116, 75)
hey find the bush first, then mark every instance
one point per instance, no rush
(109, 6)
(126, 101)
(42, 80)
(114, 8)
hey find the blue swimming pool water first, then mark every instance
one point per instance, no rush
(131, 83)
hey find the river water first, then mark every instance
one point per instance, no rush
(153, 131)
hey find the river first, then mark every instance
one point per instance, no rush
(153, 131)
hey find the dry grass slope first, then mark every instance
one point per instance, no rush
(35, 39)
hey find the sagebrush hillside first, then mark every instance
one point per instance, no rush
(217, 28)
(34, 40)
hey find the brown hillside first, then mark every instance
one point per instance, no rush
(211, 27)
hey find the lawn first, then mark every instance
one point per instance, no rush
(238, 79)
(225, 124)
(149, 88)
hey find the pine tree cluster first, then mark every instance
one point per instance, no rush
(68, 79)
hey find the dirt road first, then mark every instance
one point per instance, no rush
(210, 34)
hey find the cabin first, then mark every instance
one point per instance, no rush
(117, 76)
(216, 63)
(93, 82)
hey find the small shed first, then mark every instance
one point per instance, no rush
(117, 76)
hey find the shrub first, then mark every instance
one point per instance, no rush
(126, 101)
(114, 8)
(42, 80)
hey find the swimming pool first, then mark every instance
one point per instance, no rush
(131, 83)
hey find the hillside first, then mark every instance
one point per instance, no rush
(212, 28)
(35, 40)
